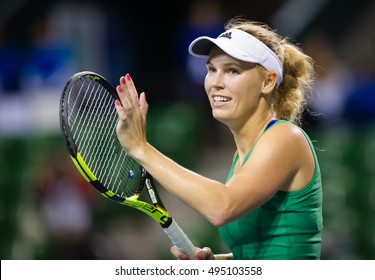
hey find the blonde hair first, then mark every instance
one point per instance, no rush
(290, 98)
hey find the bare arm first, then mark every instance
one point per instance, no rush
(271, 167)
(200, 193)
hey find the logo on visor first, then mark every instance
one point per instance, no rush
(226, 35)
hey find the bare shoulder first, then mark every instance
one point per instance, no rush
(286, 134)
(286, 148)
(284, 142)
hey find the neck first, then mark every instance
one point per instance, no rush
(248, 134)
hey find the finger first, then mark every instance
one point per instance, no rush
(121, 90)
(130, 90)
(201, 255)
(124, 100)
(204, 254)
(143, 105)
(120, 110)
(179, 254)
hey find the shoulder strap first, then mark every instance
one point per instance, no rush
(230, 174)
(271, 123)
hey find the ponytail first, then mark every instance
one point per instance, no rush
(289, 100)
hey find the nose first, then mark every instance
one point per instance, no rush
(217, 80)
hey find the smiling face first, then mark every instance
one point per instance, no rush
(234, 88)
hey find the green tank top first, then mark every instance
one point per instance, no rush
(288, 226)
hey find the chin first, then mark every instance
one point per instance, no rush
(219, 117)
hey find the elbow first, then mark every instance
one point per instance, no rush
(225, 213)
(222, 210)
(219, 218)
(217, 222)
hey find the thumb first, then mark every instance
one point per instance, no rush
(143, 105)
(204, 254)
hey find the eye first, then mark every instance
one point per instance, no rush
(211, 69)
(233, 71)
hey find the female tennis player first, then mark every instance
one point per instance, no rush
(270, 206)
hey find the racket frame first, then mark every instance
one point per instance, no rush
(156, 209)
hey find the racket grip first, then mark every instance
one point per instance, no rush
(180, 240)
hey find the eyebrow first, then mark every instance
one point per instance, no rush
(235, 63)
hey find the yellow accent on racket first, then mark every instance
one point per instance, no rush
(83, 168)
(157, 213)
(80, 169)
(109, 193)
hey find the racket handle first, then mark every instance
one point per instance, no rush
(180, 240)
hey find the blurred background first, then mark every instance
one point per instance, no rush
(48, 212)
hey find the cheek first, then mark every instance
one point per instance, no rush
(206, 85)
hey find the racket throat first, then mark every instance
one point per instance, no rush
(156, 212)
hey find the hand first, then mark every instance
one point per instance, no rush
(132, 112)
(201, 254)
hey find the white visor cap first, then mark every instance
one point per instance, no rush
(242, 46)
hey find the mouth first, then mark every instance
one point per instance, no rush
(219, 99)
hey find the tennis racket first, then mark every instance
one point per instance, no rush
(88, 121)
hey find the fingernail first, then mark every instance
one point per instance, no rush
(199, 258)
(122, 80)
(185, 258)
(127, 76)
(117, 102)
(119, 88)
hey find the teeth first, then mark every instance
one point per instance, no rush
(221, 99)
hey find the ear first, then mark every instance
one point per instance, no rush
(269, 82)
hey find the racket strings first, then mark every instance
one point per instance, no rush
(93, 118)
